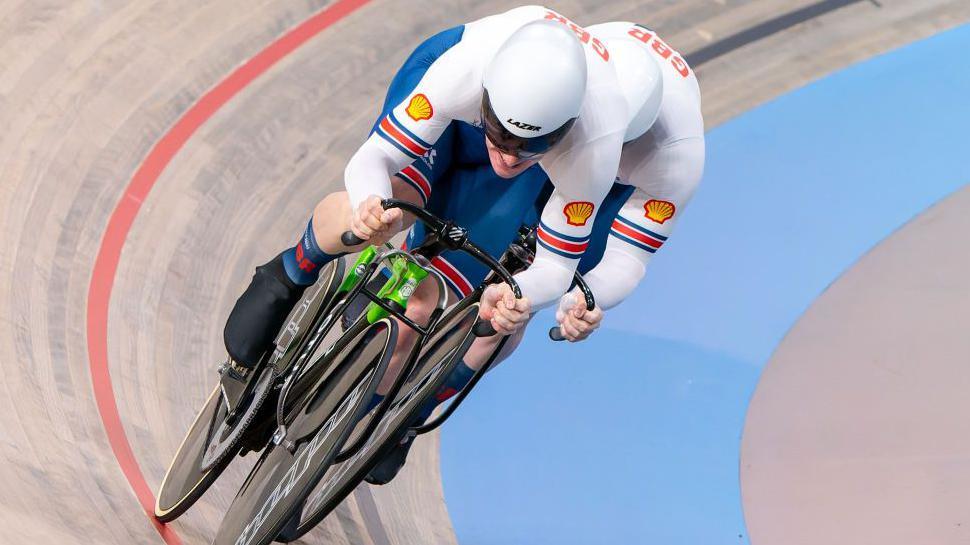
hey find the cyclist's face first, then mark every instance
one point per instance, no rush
(507, 165)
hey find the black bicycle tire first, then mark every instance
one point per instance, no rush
(256, 518)
(357, 477)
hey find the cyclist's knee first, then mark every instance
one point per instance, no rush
(331, 217)
(423, 301)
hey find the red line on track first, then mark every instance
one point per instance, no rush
(123, 216)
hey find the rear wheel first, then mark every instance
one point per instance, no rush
(212, 441)
(186, 481)
(282, 477)
(444, 351)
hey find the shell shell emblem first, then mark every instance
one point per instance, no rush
(659, 211)
(578, 212)
(419, 108)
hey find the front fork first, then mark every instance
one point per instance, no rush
(405, 277)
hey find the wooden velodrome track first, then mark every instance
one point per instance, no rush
(89, 89)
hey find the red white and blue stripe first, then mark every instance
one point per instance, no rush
(641, 237)
(397, 134)
(416, 179)
(560, 244)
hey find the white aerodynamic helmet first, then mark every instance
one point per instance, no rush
(534, 88)
(640, 75)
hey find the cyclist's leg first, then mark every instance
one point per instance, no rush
(493, 232)
(482, 349)
(420, 305)
(273, 291)
(392, 463)
(278, 285)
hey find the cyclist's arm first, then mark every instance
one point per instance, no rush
(409, 129)
(416, 182)
(665, 185)
(582, 179)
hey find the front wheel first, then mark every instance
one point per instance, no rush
(438, 359)
(282, 477)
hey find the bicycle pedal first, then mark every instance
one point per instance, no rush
(233, 382)
(234, 370)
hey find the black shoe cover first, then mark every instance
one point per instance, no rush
(259, 313)
(389, 466)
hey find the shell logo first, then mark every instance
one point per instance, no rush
(659, 211)
(578, 212)
(419, 108)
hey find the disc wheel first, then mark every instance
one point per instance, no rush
(228, 433)
(445, 350)
(189, 475)
(279, 482)
(186, 481)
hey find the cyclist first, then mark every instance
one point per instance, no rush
(660, 167)
(537, 89)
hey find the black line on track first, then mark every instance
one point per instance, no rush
(767, 28)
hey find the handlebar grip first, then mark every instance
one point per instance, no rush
(483, 328)
(350, 239)
(555, 334)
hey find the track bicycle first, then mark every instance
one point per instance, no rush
(242, 414)
(238, 413)
(426, 379)
(319, 408)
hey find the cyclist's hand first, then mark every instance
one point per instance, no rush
(500, 307)
(374, 224)
(575, 322)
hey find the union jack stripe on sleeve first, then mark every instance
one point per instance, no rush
(560, 244)
(397, 134)
(416, 179)
(631, 233)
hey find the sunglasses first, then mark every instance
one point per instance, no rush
(518, 146)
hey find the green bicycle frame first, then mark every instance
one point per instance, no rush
(405, 278)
